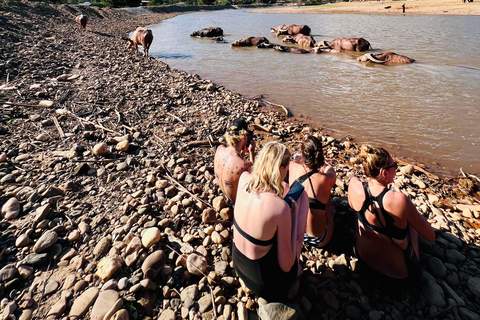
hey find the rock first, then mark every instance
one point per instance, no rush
(219, 203)
(276, 311)
(80, 285)
(204, 303)
(120, 315)
(51, 287)
(8, 272)
(83, 302)
(58, 308)
(167, 314)
(100, 149)
(102, 247)
(48, 239)
(36, 259)
(107, 267)
(151, 236)
(437, 268)
(26, 314)
(196, 264)
(329, 299)
(42, 212)
(408, 169)
(473, 285)
(123, 145)
(434, 293)
(353, 312)
(11, 209)
(105, 301)
(209, 215)
(155, 262)
(3, 157)
(42, 137)
(189, 292)
(226, 213)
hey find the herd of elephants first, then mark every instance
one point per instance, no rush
(296, 34)
(300, 35)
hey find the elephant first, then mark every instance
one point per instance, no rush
(385, 58)
(289, 49)
(346, 44)
(301, 39)
(208, 32)
(250, 42)
(291, 29)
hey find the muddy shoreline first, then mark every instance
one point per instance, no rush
(108, 194)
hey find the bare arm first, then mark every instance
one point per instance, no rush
(286, 256)
(418, 222)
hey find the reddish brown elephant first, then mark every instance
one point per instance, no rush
(301, 39)
(346, 44)
(385, 58)
(291, 29)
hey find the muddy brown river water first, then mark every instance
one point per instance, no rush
(428, 111)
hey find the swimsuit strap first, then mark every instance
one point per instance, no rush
(314, 203)
(263, 243)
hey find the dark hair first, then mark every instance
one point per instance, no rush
(374, 159)
(312, 152)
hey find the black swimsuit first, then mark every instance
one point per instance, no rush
(314, 203)
(263, 276)
(389, 229)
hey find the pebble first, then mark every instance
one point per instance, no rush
(11, 209)
(107, 267)
(196, 264)
(105, 301)
(151, 236)
(48, 239)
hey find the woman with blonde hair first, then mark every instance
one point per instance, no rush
(318, 178)
(268, 234)
(388, 223)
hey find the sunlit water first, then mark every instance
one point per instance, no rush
(428, 110)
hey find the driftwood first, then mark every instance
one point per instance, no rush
(60, 131)
(203, 143)
(90, 122)
(417, 168)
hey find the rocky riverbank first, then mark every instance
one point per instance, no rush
(109, 205)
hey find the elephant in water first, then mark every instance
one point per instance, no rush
(301, 40)
(251, 41)
(291, 29)
(346, 44)
(385, 58)
(208, 32)
(289, 49)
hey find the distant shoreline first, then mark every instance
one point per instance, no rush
(415, 7)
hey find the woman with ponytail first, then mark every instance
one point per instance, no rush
(318, 178)
(388, 223)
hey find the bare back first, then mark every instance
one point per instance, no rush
(228, 166)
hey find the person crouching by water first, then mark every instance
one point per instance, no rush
(229, 161)
(318, 178)
(388, 223)
(268, 234)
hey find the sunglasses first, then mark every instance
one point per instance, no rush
(394, 165)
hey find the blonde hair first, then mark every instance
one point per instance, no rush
(233, 136)
(266, 170)
(374, 160)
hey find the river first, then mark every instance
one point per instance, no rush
(427, 111)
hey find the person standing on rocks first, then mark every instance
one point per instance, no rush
(268, 234)
(388, 223)
(318, 178)
(229, 161)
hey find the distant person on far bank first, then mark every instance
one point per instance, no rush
(388, 223)
(318, 178)
(403, 7)
(229, 161)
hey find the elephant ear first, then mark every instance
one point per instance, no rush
(373, 59)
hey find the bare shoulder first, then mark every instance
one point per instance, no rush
(355, 184)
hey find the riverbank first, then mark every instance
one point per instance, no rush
(412, 7)
(107, 188)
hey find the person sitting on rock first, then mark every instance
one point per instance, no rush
(318, 178)
(388, 223)
(268, 234)
(229, 161)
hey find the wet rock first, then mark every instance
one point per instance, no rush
(11, 209)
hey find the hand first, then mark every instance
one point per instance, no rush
(251, 150)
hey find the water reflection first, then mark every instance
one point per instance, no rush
(428, 109)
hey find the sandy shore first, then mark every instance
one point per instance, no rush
(426, 7)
